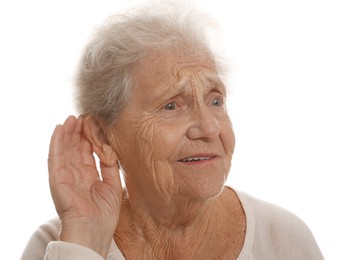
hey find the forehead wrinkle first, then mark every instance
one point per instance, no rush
(172, 90)
(188, 74)
(211, 78)
(174, 77)
(201, 82)
(185, 82)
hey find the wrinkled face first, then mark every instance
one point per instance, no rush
(174, 136)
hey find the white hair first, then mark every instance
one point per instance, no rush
(104, 78)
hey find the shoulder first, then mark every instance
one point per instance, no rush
(277, 232)
(43, 235)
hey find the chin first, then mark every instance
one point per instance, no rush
(207, 190)
(202, 181)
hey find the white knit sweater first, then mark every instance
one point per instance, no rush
(272, 233)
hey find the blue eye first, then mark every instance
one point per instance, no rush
(217, 102)
(170, 106)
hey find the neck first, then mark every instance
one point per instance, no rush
(174, 213)
(176, 227)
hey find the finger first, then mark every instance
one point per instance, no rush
(111, 176)
(60, 138)
(76, 127)
(110, 172)
(69, 125)
(72, 138)
(56, 140)
(56, 148)
(86, 146)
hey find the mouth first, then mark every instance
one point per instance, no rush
(193, 159)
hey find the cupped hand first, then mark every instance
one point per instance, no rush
(88, 202)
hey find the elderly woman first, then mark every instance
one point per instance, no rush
(152, 101)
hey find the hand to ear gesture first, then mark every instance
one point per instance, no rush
(88, 205)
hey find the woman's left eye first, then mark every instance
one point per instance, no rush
(170, 106)
(217, 102)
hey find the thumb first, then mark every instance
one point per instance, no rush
(109, 167)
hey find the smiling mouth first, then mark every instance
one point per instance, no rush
(196, 159)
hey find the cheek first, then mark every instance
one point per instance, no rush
(228, 140)
(168, 138)
(146, 148)
(133, 141)
(227, 136)
(146, 141)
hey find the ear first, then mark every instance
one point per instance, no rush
(95, 134)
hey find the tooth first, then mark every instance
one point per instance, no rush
(195, 159)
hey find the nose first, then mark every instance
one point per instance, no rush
(204, 126)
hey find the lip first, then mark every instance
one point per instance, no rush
(198, 159)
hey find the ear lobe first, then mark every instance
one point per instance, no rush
(95, 134)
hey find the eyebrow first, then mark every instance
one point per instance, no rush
(211, 84)
(211, 81)
(215, 80)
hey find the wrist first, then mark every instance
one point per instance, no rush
(88, 236)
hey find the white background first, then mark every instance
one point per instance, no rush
(288, 104)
